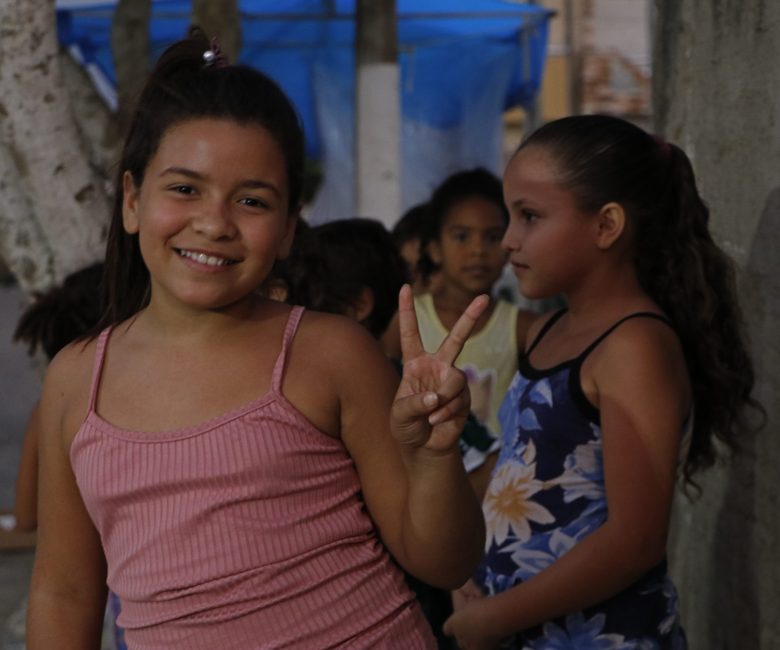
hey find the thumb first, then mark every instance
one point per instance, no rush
(447, 627)
(410, 417)
(414, 407)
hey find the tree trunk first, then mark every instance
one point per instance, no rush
(65, 195)
(130, 49)
(95, 121)
(23, 246)
(220, 18)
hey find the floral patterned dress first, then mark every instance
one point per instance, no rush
(545, 495)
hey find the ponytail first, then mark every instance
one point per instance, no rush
(694, 282)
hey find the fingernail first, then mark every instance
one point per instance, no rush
(430, 399)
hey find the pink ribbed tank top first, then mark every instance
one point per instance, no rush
(247, 531)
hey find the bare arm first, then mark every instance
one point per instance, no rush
(68, 591)
(25, 501)
(413, 479)
(643, 397)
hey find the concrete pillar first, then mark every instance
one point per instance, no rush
(717, 94)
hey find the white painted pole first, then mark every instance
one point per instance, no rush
(378, 113)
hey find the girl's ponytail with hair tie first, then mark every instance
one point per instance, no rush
(215, 57)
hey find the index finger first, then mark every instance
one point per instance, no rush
(452, 345)
(411, 343)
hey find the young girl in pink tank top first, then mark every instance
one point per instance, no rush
(241, 474)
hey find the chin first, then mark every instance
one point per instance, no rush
(535, 293)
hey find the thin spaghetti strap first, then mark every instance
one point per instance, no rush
(97, 370)
(289, 333)
(545, 328)
(639, 314)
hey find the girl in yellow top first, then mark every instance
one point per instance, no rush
(466, 221)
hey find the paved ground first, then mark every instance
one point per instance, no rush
(15, 568)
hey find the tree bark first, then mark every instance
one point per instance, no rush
(65, 195)
(23, 246)
(96, 122)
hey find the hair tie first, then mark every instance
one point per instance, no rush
(215, 57)
(663, 145)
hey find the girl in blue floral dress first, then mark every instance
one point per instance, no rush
(615, 395)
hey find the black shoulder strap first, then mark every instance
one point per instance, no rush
(545, 328)
(639, 314)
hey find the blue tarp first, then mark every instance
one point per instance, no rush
(288, 38)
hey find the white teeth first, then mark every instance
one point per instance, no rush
(202, 258)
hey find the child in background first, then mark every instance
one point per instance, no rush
(349, 267)
(220, 458)
(465, 223)
(638, 376)
(408, 234)
(56, 318)
(353, 267)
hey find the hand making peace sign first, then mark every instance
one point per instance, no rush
(433, 400)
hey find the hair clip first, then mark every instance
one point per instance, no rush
(215, 56)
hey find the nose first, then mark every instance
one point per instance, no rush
(478, 246)
(511, 239)
(215, 222)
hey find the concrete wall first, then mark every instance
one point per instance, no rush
(717, 94)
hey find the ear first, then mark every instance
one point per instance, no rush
(364, 305)
(129, 204)
(289, 234)
(610, 225)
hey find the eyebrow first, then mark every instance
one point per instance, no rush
(250, 183)
(518, 203)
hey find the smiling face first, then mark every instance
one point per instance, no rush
(468, 249)
(549, 239)
(212, 212)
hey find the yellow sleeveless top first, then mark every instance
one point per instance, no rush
(489, 358)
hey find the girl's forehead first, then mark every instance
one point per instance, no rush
(532, 178)
(220, 143)
(213, 131)
(532, 164)
(474, 208)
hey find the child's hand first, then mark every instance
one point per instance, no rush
(466, 625)
(432, 401)
(466, 594)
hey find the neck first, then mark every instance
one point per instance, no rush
(184, 324)
(607, 296)
(448, 297)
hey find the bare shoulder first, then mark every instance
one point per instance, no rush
(65, 395)
(339, 346)
(328, 334)
(643, 354)
(643, 340)
(334, 362)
